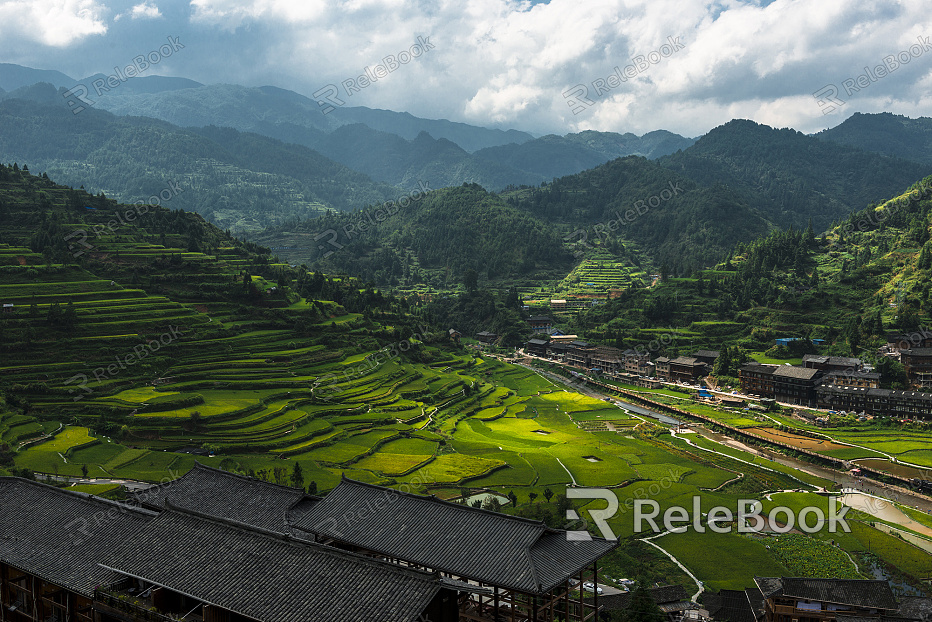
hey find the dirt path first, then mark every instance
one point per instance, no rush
(567, 470)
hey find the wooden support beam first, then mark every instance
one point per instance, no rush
(582, 595)
(566, 600)
(595, 582)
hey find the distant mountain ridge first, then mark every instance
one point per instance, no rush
(555, 156)
(391, 147)
(886, 133)
(240, 181)
(791, 177)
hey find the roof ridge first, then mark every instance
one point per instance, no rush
(290, 539)
(84, 496)
(530, 560)
(435, 499)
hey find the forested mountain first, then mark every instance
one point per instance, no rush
(251, 109)
(885, 133)
(238, 181)
(395, 148)
(555, 156)
(674, 219)
(433, 238)
(790, 177)
(867, 277)
(393, 159)
(13, 77)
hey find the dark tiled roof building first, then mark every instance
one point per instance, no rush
(522, 561)
(822, 600)
(230, 496)
(51, 542)
(231, 571)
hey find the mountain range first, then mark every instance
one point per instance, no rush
(266, 162)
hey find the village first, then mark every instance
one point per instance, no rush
(829, 383)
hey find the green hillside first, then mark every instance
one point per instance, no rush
(791, 177)
(868, 276)
(432, 238)
(673, 219)
(242, 182)
(885, 133)
(169, 341)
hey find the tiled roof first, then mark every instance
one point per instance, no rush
(853, 592)
(757, 601)
(496, 549)
(537, 342)
(792, 371)
(918, 352)
(59, 536)
(685, 360)
(758, 368)
(840, 373)
(894, 394)
(844, 360)
(707, 354)
(270, 577)
(227, 495)
(815, 358)
(915, 607)
(838, 361)
(730, 606)
(668, 597)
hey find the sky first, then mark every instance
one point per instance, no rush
(543, 67)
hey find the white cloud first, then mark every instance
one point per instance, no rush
(143, 10)
(508, 62)
(56, 23)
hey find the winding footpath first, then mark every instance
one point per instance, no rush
(699, 584)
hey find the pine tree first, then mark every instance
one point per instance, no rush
(722, 363)
(297, 476)
(925, 257)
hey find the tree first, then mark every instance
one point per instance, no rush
(297, 476)
(471, 280)
(892, 373)
(548, 494)
(722, 363)
(84, 471)
(513, 497)
(925, 257)
(69, 316)
(312, 488)
(532, 496)
(642, 607)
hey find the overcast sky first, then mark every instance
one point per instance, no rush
(518, 64)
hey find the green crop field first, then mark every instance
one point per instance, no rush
(180, 344)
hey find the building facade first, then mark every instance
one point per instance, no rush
(918, 365)
(757, 379)
(796, 385)
(686, 369)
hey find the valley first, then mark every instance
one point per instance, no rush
(285, 317)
